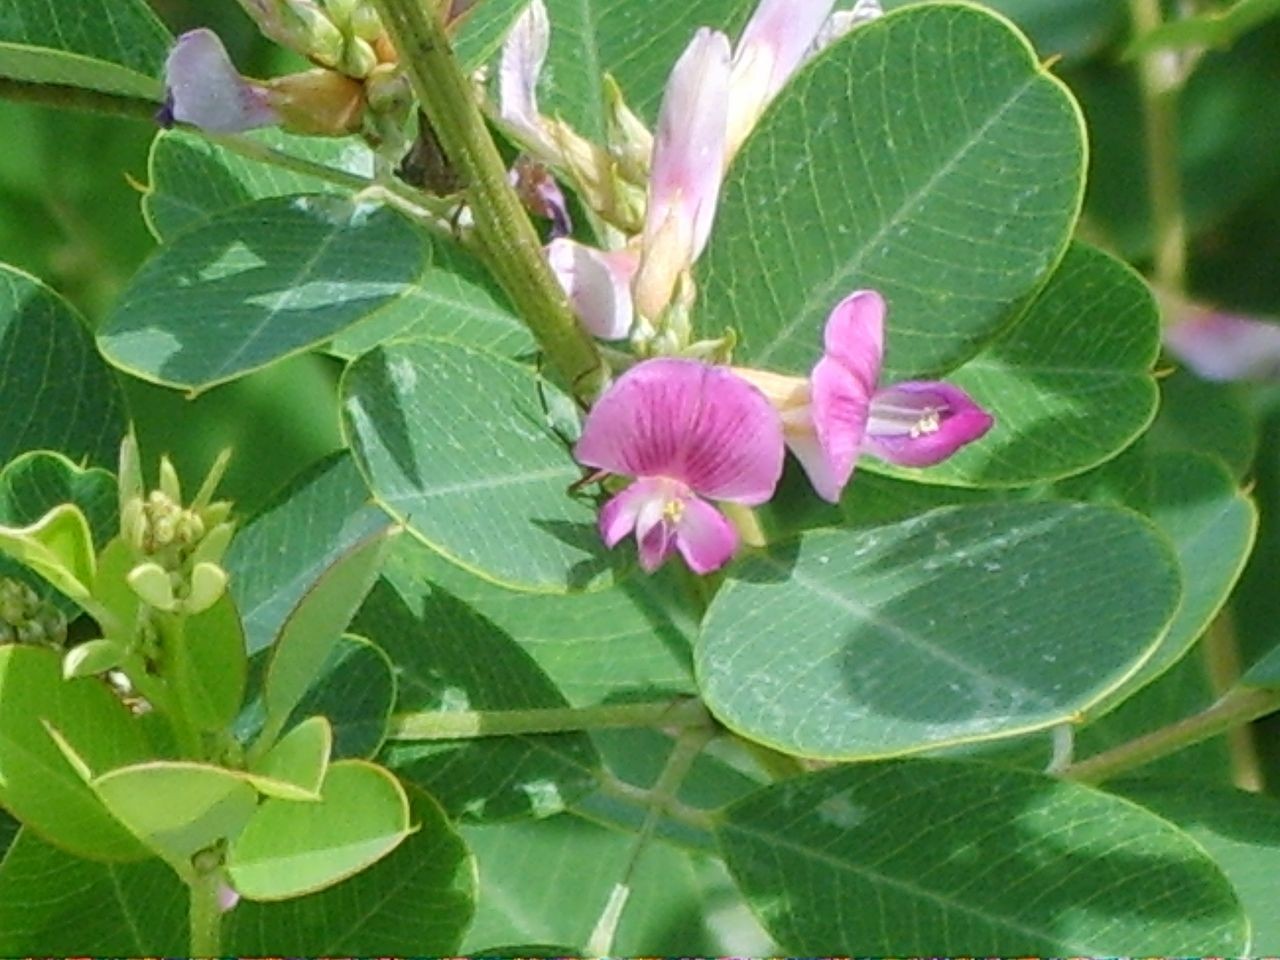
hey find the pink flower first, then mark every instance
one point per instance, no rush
(598, 284)
(687, 168)
(771, 49)
(685, 431)
(523, 56)
(1224, 346)
(204, 89)
(841, 413)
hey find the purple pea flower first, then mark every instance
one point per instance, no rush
(841, 413)
(686, 431)
(1225, 346)
(204, 89)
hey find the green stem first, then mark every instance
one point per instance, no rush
(1160, 82)
(205, 916)
(513, 250)
(1240, 706)
(1221, 650)
(474, 724)
(678, 765)
(611, 785)
(77, 98)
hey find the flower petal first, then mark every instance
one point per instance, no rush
(598, 284)
(772, 47)
(854, 335)
(839, 404)
(619, 516)
(920, 423)
(691, 422)
(1223, 346)
(541, 195)
(205, 90)
(704, 536)
(523, 55)
(688, 151)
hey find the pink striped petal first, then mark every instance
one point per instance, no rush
(920, 423)
(1224, 346)
(704, 537)
(598, 284)
(690, 422)
(620, 515)
(205, 90)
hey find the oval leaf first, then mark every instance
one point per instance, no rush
(354, 692)
(210, 666)
(289, 849)
(37, 782)
(932, 857)
(57, 368)
(458, 445)
(300, 760)
(257, 284)
(416, 902)
(930, 156)
(1070, 385)
(962, 624)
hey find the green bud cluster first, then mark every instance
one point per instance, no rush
(337, 34)
(178, 548)
(26, 618)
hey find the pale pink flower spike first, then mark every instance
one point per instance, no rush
(686, 431)
(1226, 346)
(598, 284)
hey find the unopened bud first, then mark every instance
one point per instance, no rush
(92, 658)
(208, 584)
(630, 141)
(358, 58)
(151, 583)
(318, 103)
(366, 24)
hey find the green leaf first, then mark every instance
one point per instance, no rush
(549, 882)
(417, 901)
(458, 444)
(1207, 418)
(1217, 28)
(210, 666)
(317, 519)
(176, 808)
(645, 651)
(1070, 385)
(316, 624)
(289, 849)
(355, 691)
(256, 284)
(37, 783)
(53, 903)
(37, 481)
(934, 857)
(300, 759)
(961, 624)
(1212, 525)
(192, 179)
(58, 547)
(1241, 831)
(55, 368)
(1074, 28)
(880, 167)
(449, 658)
(117, 46)
(1264, 673)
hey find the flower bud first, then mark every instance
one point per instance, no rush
(151, 583)
(318, 103)
(208, 584)
(630, 141)
(92, 658)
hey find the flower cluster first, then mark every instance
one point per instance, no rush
(688, 430)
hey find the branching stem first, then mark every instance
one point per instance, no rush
(474, 724)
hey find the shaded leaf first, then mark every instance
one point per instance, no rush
(355, 691)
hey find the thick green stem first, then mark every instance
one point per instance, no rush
(474, 724)
(1240, 706)
(511, 245)
(205, 916)
(1161, 81)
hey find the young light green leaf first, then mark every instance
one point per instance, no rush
(313, 628)
(317, 519)
(37, 783)
(53, 903)
(210, 665)
(1070, 385)
(58, 546)
(416, 901)
(354, 692)
(58, 368)
(449, 658)
(848, 644)
(458, 445)
(300, 760)
(115, 46)
(945, 858)
(256, 284)
(289, 849)
(878, 166)
(178, 808)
